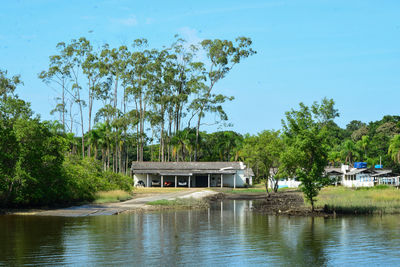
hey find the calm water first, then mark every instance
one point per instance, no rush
(226, 234)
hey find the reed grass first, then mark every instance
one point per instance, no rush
(375, 200)
(112, 196)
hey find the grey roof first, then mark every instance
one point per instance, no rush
(187, 166)
(355, 171)
(382, 172)
(331, 170)
(373, 172)
(249, 172)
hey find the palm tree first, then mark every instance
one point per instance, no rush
(104, 133)
(93, 140)
(73, 142)
(178, 145)
(394, 148)
(363, 144)
(348, 151)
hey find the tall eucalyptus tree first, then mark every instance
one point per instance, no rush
(222, 55)
(59, 73)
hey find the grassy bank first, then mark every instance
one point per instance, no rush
(248, 191)
(180, 203)
(157, 190)
(376, 200)
(112, 196)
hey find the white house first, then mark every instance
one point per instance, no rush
(366, 177)
(191, 174)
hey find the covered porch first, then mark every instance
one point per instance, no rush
(187, 179)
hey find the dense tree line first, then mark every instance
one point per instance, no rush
(137, 96)
(35, 168)
(310, 140)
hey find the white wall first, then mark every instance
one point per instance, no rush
(358, 180)
(291, 183)
(355, 183)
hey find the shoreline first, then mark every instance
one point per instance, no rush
(287, 203)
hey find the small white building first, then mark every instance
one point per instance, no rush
(191, 174)
(366, 177)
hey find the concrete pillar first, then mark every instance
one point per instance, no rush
(162, 180)
(147, 180)
(234, 181)
(222, 180)
(189, 181)
(176, 181)
(209, 180)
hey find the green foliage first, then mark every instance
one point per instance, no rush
(220, 146)
(85, 177)
(307, 154)
(263, 153)
(33, 167)
(394, 148)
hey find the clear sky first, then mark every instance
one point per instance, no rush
(345, 50)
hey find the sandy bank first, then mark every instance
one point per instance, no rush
(137, 204)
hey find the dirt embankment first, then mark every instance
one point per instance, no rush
(286, 203)
(281, 203)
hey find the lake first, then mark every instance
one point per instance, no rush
(226, 234)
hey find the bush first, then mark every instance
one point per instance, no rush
(85, 177)
(118, 181)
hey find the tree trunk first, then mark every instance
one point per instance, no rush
(162, 136)
(197, 136)
(120, 159)
(63, 105)
(108, 156)
(103, 159)
(266, 186)
(82, 130)
(126, 161)
(90, 115)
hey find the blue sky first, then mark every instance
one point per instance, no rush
(345, 50)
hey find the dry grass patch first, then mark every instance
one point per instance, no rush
(159, 190)
(112, 196)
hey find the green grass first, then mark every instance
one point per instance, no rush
(180, 203)
(246, 191)
(380, 199)
(111, 196)
(251, 190)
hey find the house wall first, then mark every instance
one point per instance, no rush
(355, 183)
(240, 179)
(290, 183)
(358, 180)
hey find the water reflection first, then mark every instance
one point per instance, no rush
(226, 234)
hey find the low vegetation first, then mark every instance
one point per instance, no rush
(180, 203)
(240, 190)
(375, 200)
(112, 196)
(157, 190)
(254, 189)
